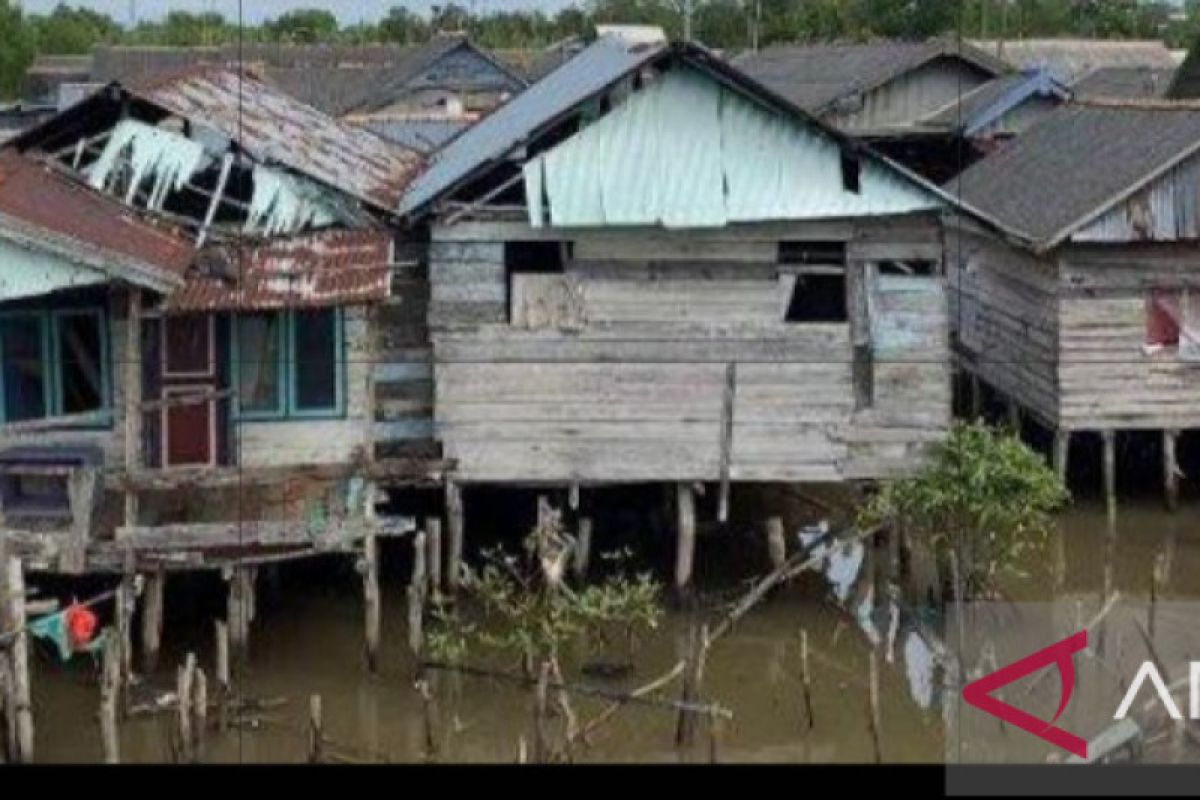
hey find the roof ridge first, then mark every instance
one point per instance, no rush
(1139, 103)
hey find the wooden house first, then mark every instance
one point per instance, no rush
(193, 275)
(650, 268)
(933, 106)
(1081, 312)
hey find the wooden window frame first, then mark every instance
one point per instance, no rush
(287, 408)
(52, 382)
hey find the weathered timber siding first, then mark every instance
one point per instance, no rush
(1004, 313)
(912, 96)
(1107, 381)
(1167, 209)
(319, 441)
(661, 336)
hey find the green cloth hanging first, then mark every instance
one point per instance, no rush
(54, 628)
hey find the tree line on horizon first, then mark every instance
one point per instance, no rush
(721, 24)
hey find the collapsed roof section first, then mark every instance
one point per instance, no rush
(59, 234)
(214, 189)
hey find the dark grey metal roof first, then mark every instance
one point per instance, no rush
(1074, 163)
(603, 63)
(815, 76)
(1135, 82)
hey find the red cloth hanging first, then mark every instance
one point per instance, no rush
(1162, 318)
(81, 625)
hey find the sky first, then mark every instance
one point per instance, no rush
(255, 11)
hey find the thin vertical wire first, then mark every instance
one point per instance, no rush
(232, 447)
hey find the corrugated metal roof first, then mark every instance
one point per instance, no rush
(739, 163)
(91, 227)
(273, 127)
(601, 64)
(422, 134)
(995, 98)
(327, 268)
(815, 76)
(1069, 59)
(1127, 82)
(1075, 162)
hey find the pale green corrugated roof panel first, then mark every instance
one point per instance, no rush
(688, 152)
(25, 272)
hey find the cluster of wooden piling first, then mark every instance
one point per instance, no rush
(16, 708)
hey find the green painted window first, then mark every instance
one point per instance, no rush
(53, 363)
(288, 364)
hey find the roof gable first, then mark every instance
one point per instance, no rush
(1075, 164)
(816, 76)
(988, 103)
(636, 166)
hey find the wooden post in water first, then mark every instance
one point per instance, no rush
(126, 604)
(806, 680)
(316, 735)
(152, 620)
(199, 713)
(416, 596)
(1108, 439)
(686, 535)
(433, 548)
(541, 728)
(873, 709)
(454, 530)
(371, 599)
(1170, 469)
(693, 675)
(183, 711)
(776, 542)
(19, 702)
(583, 549)
(239, 609)
(221, 671)
(1062, 454)
(110, 692)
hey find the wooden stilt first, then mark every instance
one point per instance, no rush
(199, 714)
(371, 600)
(541, 726)
(416, 596)
(110, 691)
(221, 671)
(1170, 469)
(126, 604)
(454, 529)
(583, 549)
(152, 620)
(573, 496)
(19, 704)
(240, 607)
(686, 535)
(1014, 417)
(433, 554)
(183, 712)
(693, 675)
(806, 681)
(1062, 453)
(976, 397)
(776, 542)
(873, 709)
(1110, 470)
(316, 735)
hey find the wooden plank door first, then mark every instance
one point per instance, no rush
(189, 369)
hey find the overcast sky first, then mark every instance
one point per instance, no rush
(348, 11)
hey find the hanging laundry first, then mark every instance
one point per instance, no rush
(70, 631)
(81, 625)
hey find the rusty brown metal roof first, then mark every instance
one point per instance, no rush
(328, 268)
(47, 203)
(273, 127)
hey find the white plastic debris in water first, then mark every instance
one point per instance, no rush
(167, 159)
(284, 204)
(864, 615)
(845, 563)
(918, 663)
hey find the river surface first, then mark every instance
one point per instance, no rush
(307, 639)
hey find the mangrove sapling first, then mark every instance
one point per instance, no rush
(984, 496)
(528, 610)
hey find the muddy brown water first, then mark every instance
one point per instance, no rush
(307, 639)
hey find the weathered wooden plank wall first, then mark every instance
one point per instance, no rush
(1004, 312)
(632, 385)
(912, 96)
